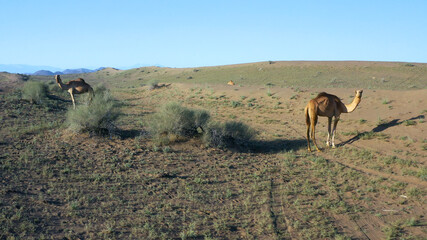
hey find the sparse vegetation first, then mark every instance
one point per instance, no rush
(371, 135)
(386, 101)
(362, 121)
(251, 100)
(394, 231)
(269, 188)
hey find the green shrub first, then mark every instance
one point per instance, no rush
(175, 121)
(35, 92)
(227, 134)
(409, 122)
(98, 116)
(153, 84)
(235, 104)
(201, 119)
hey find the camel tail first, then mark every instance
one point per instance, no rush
(307, 116)
(307, 122)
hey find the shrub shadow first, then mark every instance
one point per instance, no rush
(273, 146)
(129, 133)
(158, 86)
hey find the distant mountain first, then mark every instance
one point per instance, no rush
(44, 73)
(25, 69)
(77, 71)
(42, 70)
(66, 71)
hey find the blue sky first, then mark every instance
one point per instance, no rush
(91, 34)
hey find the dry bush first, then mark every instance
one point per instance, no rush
(228, 134)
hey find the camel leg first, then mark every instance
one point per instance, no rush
(328, 141)
(308, 137)
(308, 123)
(333, 130)
(313, 136)
(313, 123)
(72, 98)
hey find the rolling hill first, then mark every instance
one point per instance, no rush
(368, 75)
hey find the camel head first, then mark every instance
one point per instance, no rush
(57, 78)
(358, 93)
(59, 82)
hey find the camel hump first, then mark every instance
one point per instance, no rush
(81, 80)
(322, 94)
(231, 83)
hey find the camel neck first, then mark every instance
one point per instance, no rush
(61, 85)
(353, 105)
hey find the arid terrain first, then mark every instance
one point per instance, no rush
(55, 184)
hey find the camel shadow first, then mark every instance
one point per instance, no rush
(54, 97)
(419, 117)
(381, 127)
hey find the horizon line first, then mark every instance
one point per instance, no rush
(59, 69)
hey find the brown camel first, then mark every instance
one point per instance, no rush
(77, 86)
(327, 105)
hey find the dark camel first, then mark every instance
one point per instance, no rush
(77, 86)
